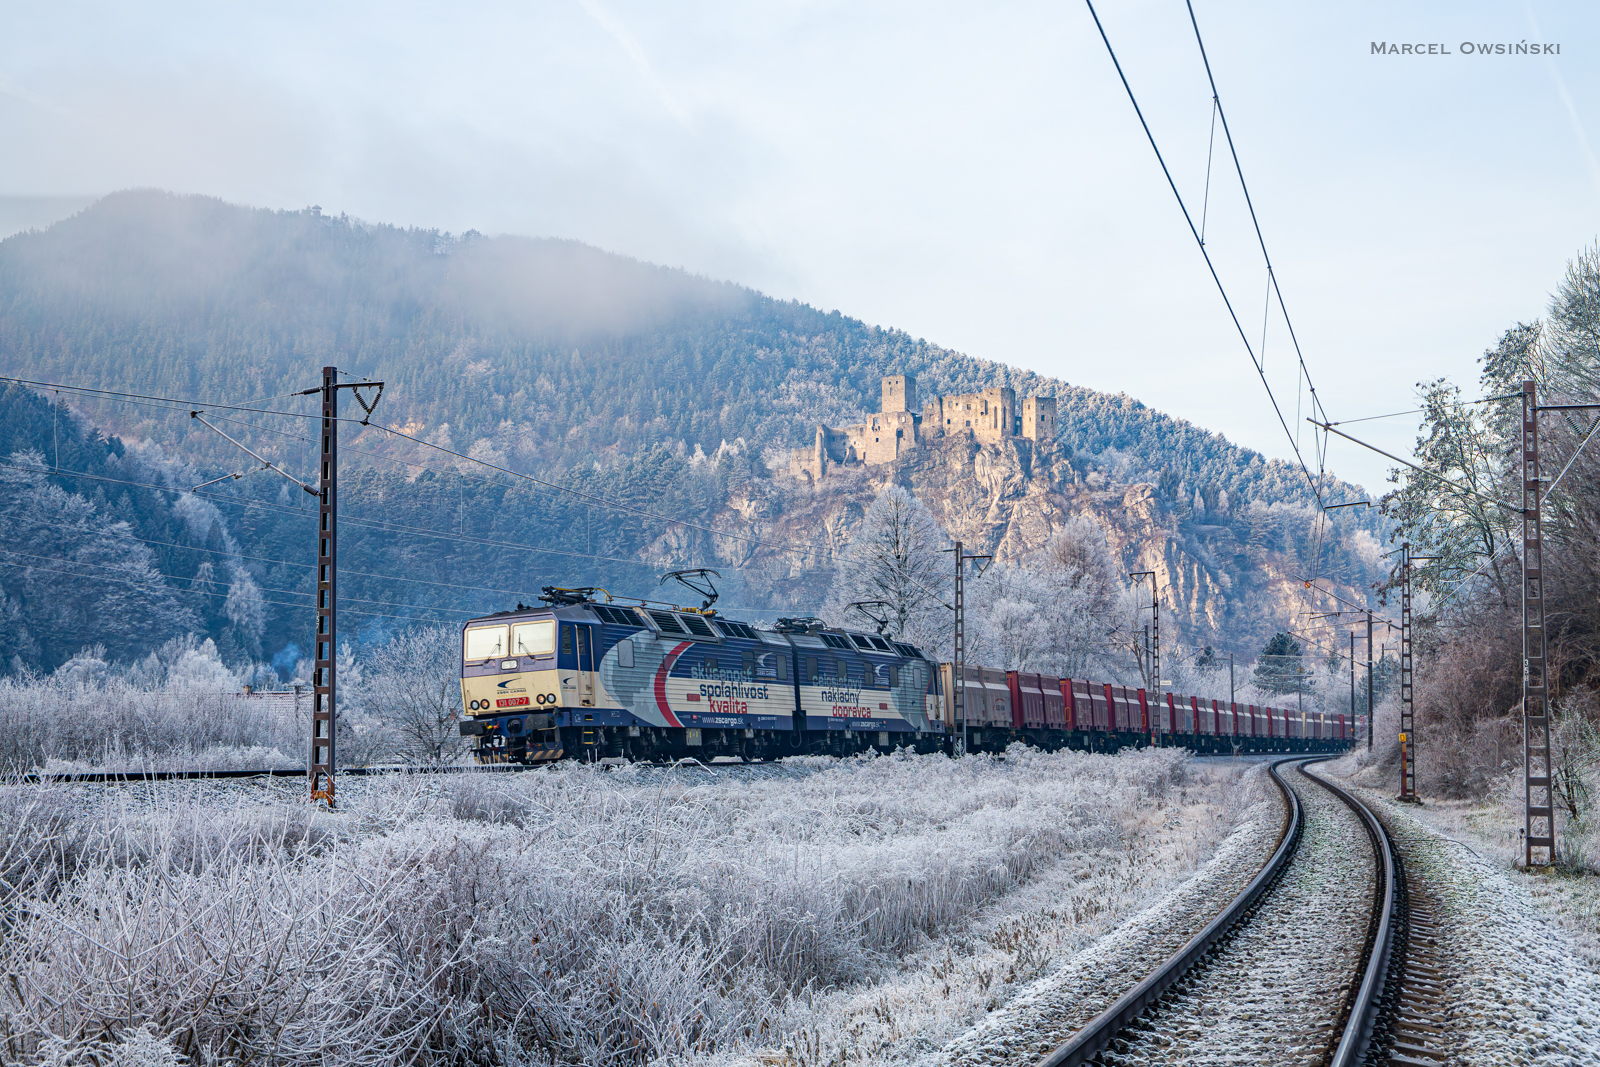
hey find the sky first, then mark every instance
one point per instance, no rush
(973, 174)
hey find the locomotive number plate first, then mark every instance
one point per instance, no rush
(511, 702)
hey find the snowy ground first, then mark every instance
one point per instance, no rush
(581, 915)
(1034, 966)
(1278, 987)
(1520, 991)
(1491, 831)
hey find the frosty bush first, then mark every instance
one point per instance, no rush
(176, 708)
(563, 915)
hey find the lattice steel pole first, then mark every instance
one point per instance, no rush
(1352, 679)
(1369, 680)
(324, 660)
(1408, 737)
(1538, 823)
(960, 650)
(1155, 643)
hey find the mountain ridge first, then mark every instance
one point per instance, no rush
(619, 379)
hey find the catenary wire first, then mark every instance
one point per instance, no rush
(579, 494)
(376, 524)
(291, 563)
(587, 497)
(1215, 277)
(192, 581)
(202, 592)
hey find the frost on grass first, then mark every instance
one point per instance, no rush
(561, 916)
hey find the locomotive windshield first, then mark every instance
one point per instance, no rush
(484, 642)
(533, 638)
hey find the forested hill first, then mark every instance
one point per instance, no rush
(548, 353)
(624, 382)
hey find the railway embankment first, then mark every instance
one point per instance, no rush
(1506, 976)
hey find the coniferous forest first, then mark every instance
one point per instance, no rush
(625, 381)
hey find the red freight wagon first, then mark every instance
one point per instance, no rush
(1055, 717)
(1027, 700)
(1126, 707)
(1089, 705)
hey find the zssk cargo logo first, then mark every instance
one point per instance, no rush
(503, 686)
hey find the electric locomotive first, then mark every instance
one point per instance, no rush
(591, 676)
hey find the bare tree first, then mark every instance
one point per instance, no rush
(414, 685)
(897, 557)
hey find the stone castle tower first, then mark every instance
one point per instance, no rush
(988, 416)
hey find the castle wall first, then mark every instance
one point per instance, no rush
(990, 416)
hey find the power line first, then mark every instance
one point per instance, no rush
(291, 563)
(1272, 277)
(1215, 277)
(579, 494)
(144, 585)
(213, 581)
(384, 525)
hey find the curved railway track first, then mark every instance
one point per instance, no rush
(1269, 970)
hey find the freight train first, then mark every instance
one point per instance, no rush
(589, 677)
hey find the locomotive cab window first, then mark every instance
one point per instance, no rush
(484, 642)
(566, 640)
(533, 638)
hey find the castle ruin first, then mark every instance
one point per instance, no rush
(988, 416)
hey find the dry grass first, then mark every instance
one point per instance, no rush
(561, 916)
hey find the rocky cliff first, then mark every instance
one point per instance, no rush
(1229, 580)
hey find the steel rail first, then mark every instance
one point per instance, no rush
(1100, 1031)
(1361, 1024)
(136, 777)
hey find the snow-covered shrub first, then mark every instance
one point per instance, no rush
(569, 914)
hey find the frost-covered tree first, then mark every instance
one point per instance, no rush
(897, 556)
(412, 685)
(1059, 611)
(74, 576)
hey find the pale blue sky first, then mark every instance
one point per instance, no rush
(970, 173)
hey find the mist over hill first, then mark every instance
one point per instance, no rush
(621, 379)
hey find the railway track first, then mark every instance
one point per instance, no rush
(140, 777)
(1298, 966)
